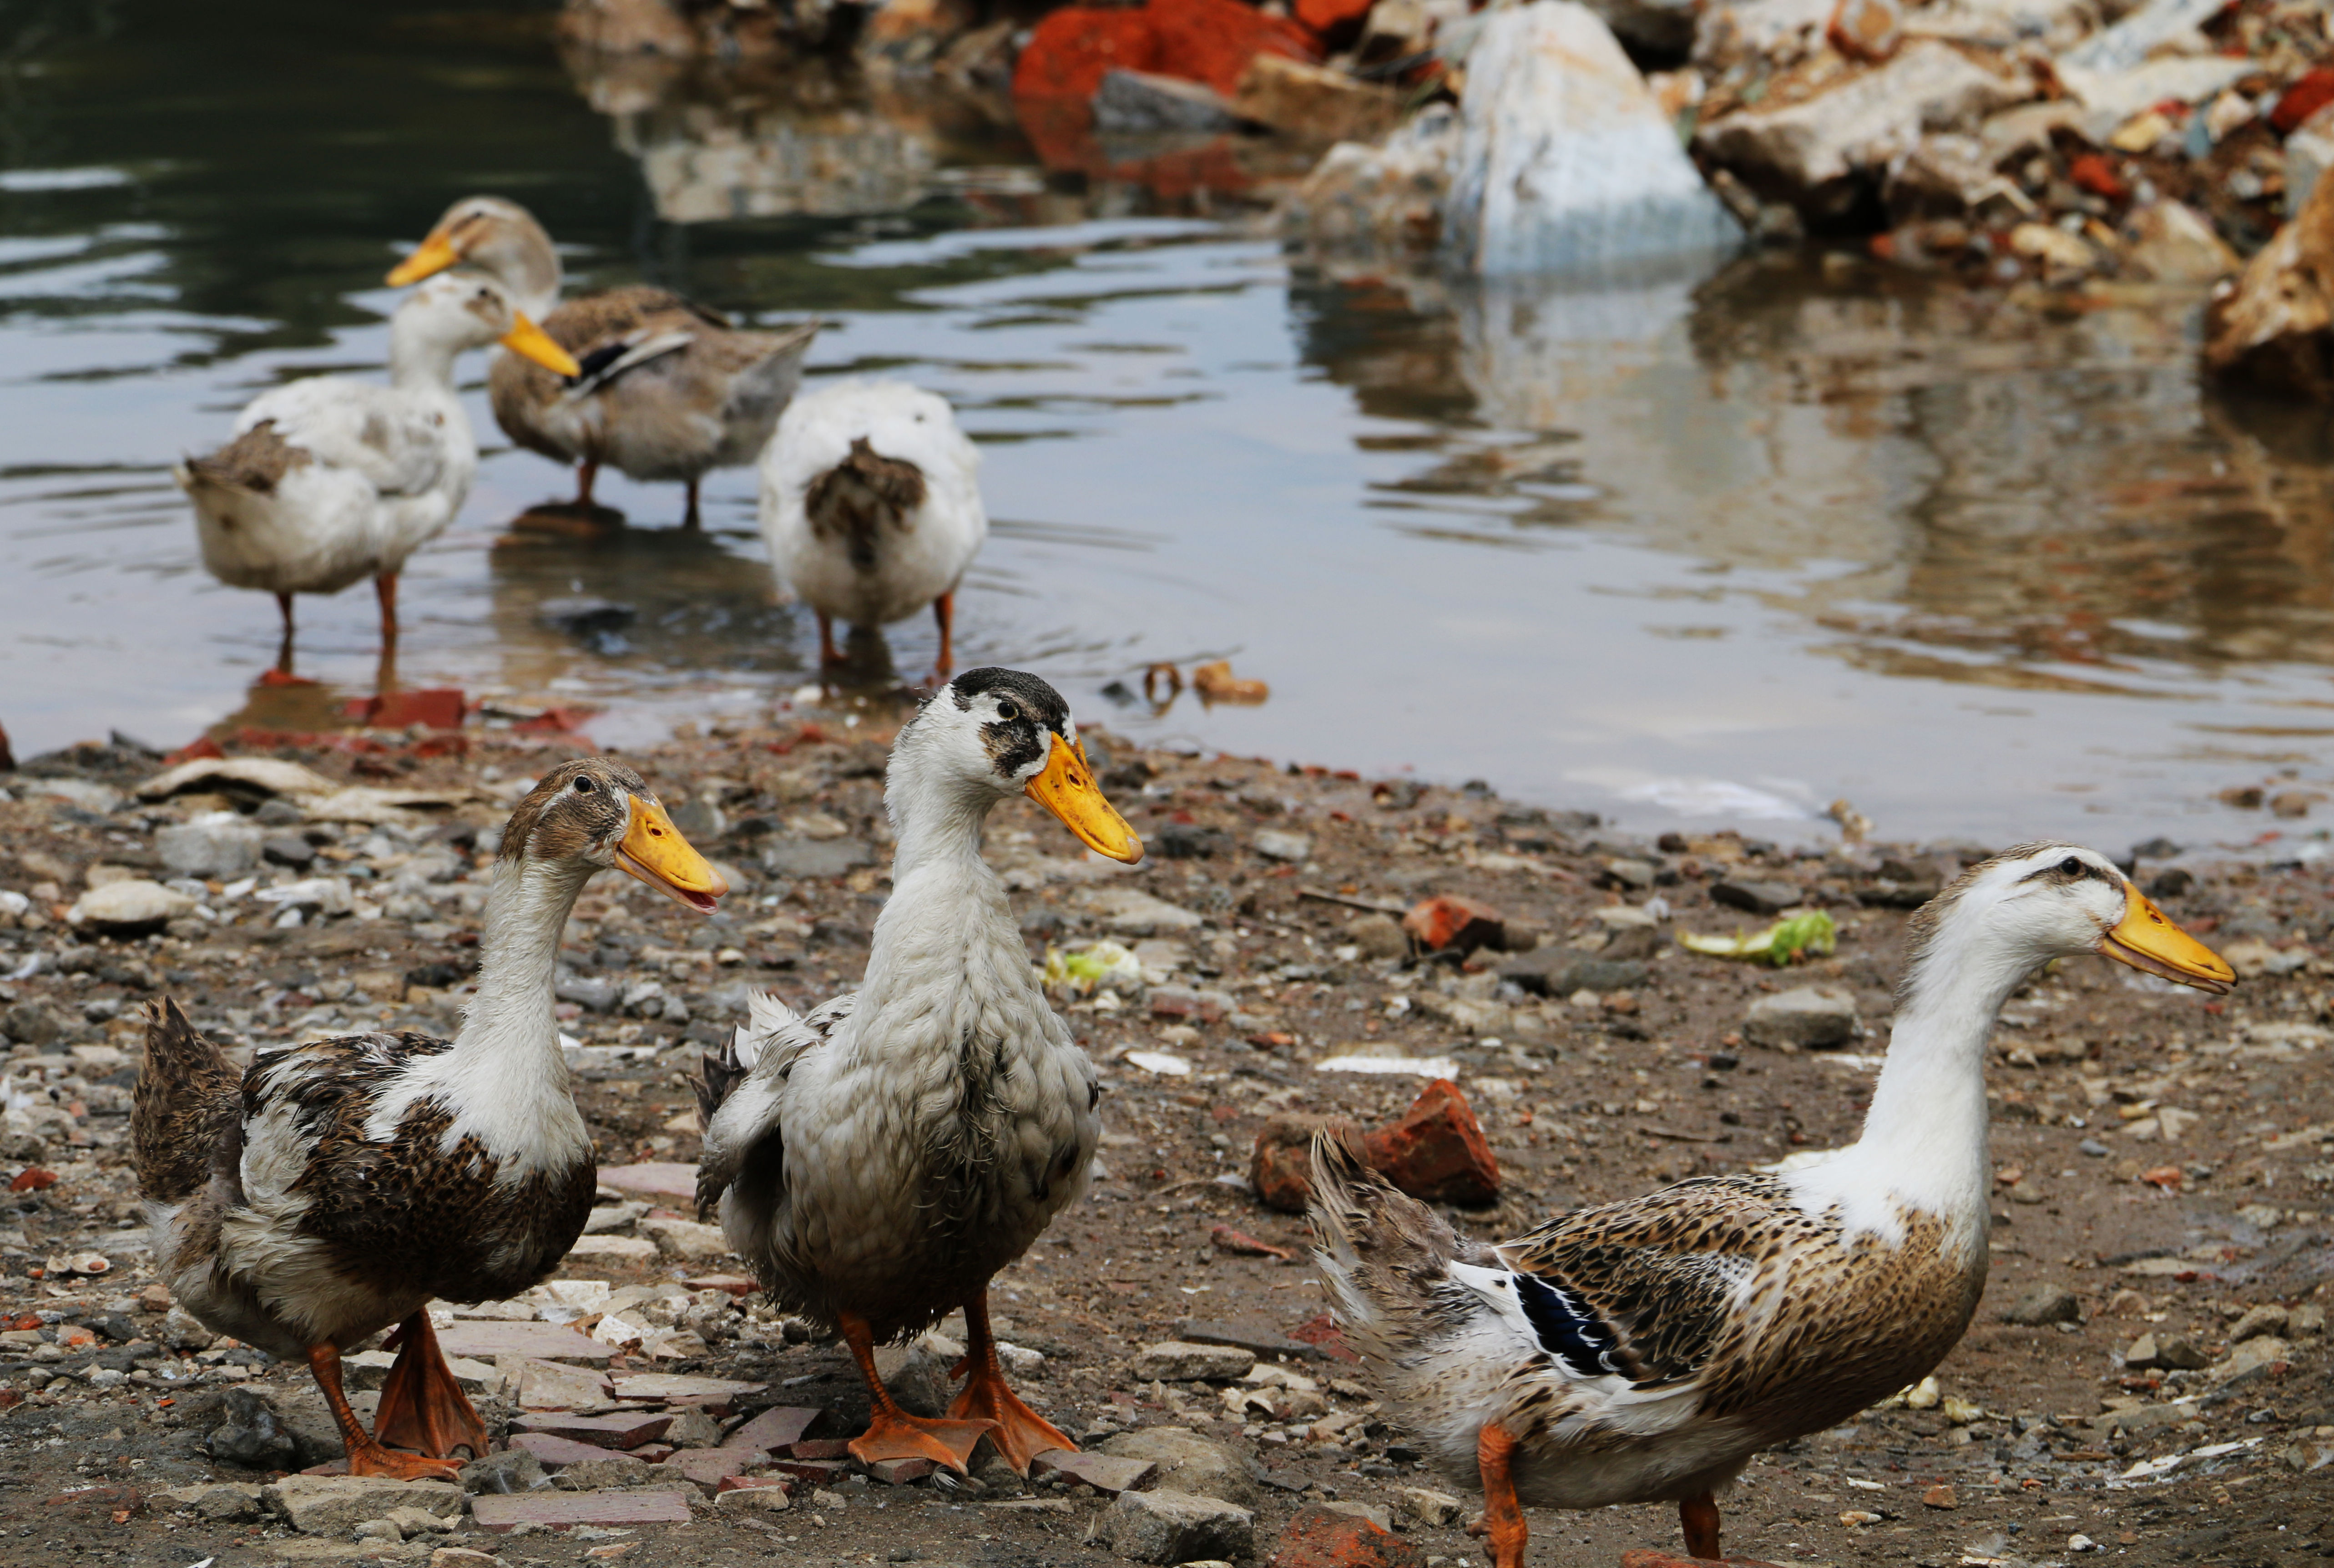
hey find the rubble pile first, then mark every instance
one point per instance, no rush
(1491, 996)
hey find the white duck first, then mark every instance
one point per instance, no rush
(877, 1162)
(329, 480)
(1643, 1351)
(335, 1187)
(871, 505)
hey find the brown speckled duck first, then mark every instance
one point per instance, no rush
(337, 1186)
(668, 389)
(1643, 1351)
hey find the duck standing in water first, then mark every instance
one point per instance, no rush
(870, 506)
(879, 1160)
(336, 1187)
(665, 389)
(330, 479)
(1643, 1351)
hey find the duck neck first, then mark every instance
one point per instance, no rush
(419, 359)
(531, 272)
(941, 925)
(1926, 1128)
(509, 1034)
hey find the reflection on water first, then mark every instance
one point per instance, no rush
(1719, 547)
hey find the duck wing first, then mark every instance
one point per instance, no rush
(740, 1094)
(184, 1116)
(398, 447)
(1650, 1291)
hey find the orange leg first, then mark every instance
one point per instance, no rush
(1503, 1516)
(944, 662)
(689, 518)
(422, 1408)
(384, 588)
(893, 1434)
(367, 1456)
(827, 650)
(585, 476)
(284, 652)
(1698, 1517)
(1021, 1433)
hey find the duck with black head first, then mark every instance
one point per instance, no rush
(877, 1161)
(337, 1186)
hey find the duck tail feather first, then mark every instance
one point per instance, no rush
(187, 1103)
(1383, 1256)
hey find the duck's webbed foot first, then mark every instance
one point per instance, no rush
(1021, 1433)
(422, 1407)
(892, 1433)
(366, 1456)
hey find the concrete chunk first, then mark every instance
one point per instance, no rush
(1172, 1527)
(564, 1510)
(336, 1505)
(1804, 1017)
(1178, 1362)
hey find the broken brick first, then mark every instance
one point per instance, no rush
(625, 1430)
(1437, 1151)
(775, 1428)
(1280, 1168)
(1074, 48)
(1461, 924)
(1322, 1537)
(564, 1510)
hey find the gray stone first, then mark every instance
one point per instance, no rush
(1177, 1361)
(514, 1470)
(1559, 972)
(1171, 1527)
(379, 1530)
(287, 849)
(1378, 936)
(609, 1470)
(336, 1505)
(1758, 897)
(214, 844)
(597, 992)
(1139, 103)
(1806, 1017)
(2269, 1318)
(1131, 912)
(252, 1435)
(1188, 1462)
(817, 858)
(228, 1502)
(1381, 203)
(2043, 1305)
(1566, 163)
(2254, 1356)
(2179, 1355)
(693, 1428)
(1276, 844)
(32, 1023)
(1376, 1514)
(2142, 1354)
(130, 905)
(917, 1375)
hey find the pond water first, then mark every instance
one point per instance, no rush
(1713, 549)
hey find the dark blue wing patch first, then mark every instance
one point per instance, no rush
(1579, 1339)
(591, 364)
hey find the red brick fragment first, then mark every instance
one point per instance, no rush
(1324, 1335)
(34, 1178)
(1074, 48)
(1437, 1151)
(1328, 16)
(777, 1428)
(2311, 93)
(1452, 922)
(2093, 173)
(900, 1471)
(1321, 1537)
(625, 1429)
(1280, 1168)
(435, 706)
(562, 1510)
(1243, 1244)
(1212, 41)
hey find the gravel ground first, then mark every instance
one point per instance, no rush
(2162, 1155)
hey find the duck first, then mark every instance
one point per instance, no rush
(877, 1160)
(329, 478)
(335, 1187)
(1643, 1351)
(666, 389)
(870, 507)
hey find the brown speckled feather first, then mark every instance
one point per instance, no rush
(407, 1212)
(256, 460)
(185, 1107)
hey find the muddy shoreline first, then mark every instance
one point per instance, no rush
(2162, 1171)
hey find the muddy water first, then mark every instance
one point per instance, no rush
(1711, 548)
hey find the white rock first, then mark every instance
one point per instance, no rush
(2128, 42)
(1815, 148)
(1802, 1017)
(687, 1239)
(336, 1504)
(1274, 844)
(212, 844)
(1177, 1361)
(130, 904)
(1132, 912)
(1565, 162)
(1174, 1527)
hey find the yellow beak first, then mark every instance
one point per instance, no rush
(528, 338)
(654, 851)
(1067, 789)
(2148, 940)
(436, 254)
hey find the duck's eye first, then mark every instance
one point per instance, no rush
(584, 787)
(2072, 867)
(1008, 712)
